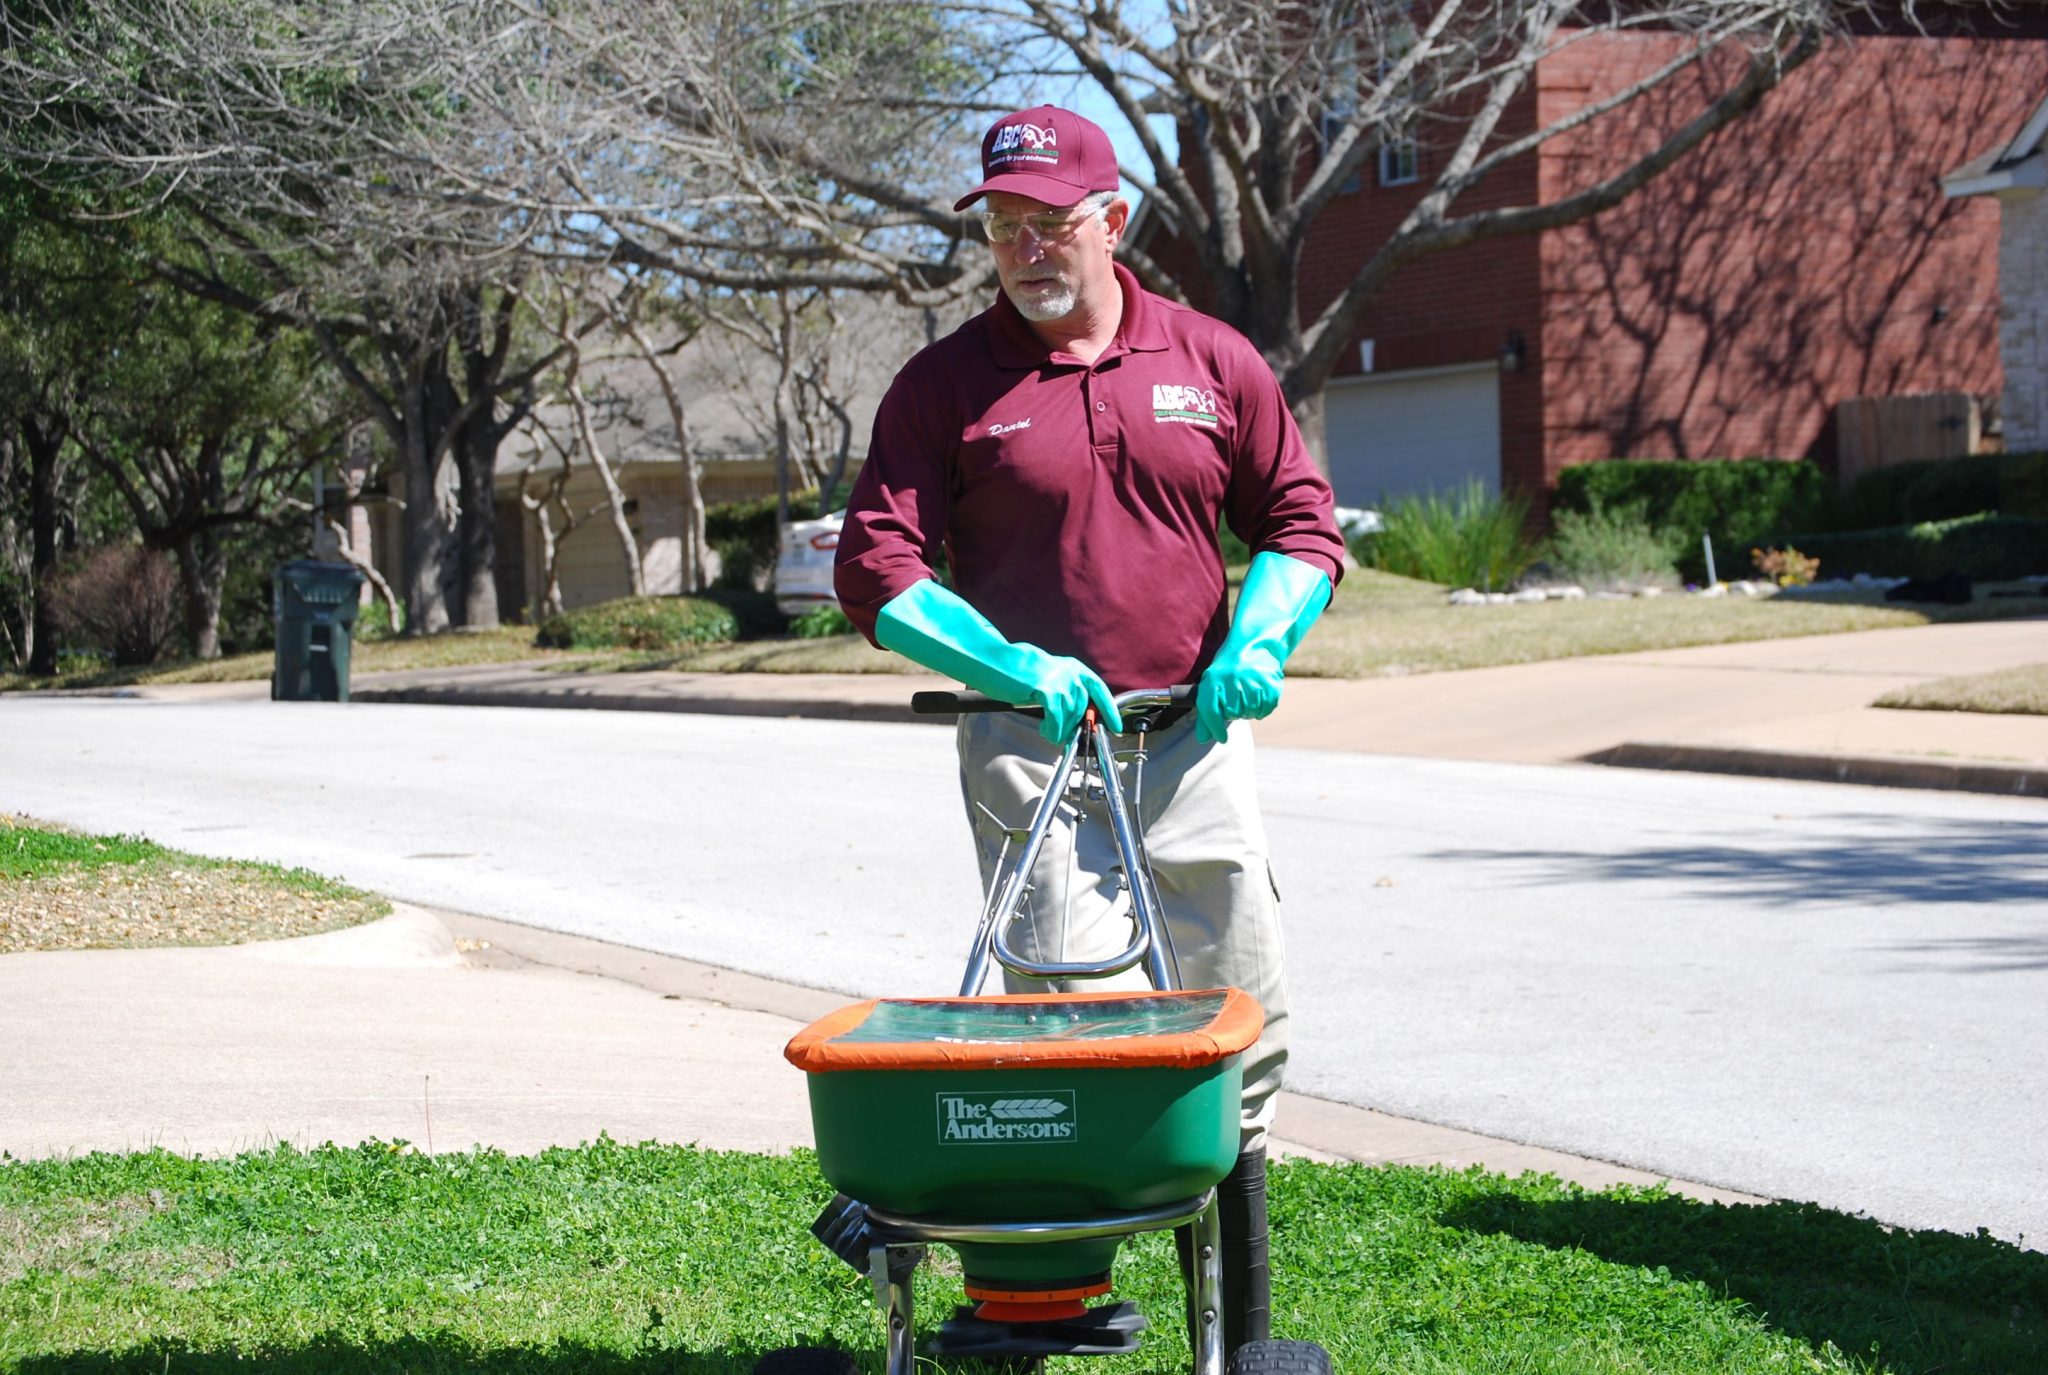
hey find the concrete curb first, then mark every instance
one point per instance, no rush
(1888, 771)
(573, 697)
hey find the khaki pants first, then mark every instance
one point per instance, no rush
(1207, 843)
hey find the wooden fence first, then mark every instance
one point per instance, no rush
(1878, 431)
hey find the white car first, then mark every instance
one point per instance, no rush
(1358, 520)
(803, 570)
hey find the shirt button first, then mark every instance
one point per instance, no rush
(1102, 405)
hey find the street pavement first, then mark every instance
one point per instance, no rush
(1781, 989)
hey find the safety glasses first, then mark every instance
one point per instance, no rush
(1052, 228)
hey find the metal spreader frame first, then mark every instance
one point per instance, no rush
(889, 1246)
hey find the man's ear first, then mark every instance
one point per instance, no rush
(1115, 218)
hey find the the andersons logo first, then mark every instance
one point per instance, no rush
(1028, 142)
(967, 1119)
(1175, 405)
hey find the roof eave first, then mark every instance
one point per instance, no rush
(2028, 174)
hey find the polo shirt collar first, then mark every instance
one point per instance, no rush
(1014, 344)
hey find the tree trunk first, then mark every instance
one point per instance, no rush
(476, 450)
(784, 405)
(615, 496)
(698, 571)
(202, 569)
(1311, 418)
(43, 444)
(429, 409)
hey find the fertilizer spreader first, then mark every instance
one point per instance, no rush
(1033, 1133)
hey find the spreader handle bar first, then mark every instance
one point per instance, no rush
(1150, 944)
(962, 701)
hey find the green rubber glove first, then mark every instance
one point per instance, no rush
(931, 625)
(1279, 601)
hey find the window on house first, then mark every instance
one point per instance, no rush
(1399, 162)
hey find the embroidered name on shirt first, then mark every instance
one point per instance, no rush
(1183, 405)
(1023, 424)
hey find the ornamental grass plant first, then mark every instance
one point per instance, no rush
(1611, 548)
(1470, 537)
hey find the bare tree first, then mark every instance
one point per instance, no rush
(698, 562)
(559, 319)
(1279, 104)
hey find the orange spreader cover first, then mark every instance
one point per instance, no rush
(1180, 1030)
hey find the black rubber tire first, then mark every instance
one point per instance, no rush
(1280, 1358)
(807, 1360)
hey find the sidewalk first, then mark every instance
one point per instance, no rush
(1794, 708)
(451, 1031)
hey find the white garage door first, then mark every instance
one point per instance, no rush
(1406, 434)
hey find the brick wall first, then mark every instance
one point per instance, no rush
(1803, 256)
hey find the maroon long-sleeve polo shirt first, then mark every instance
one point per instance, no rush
(1078, 502)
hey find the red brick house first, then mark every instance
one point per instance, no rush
(1804, 256)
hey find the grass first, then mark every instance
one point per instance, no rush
(622, 1260)
(451, 650)
(60, 890)
(824, 654)
(1382, 626)
(2013, 692)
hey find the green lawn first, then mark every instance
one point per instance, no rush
(2013, 691)
(60, 890)
(1380, 625)
(454, 649)
(623, 1260)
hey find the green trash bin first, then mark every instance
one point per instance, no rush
(316, 614)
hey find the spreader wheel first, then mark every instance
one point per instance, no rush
(1280, 1358)
(807, 1360)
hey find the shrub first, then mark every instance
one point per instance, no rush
(639, 623)
(752, 610)
(1986, 546)
(1604, 548)
(1946, 489)
(121, 599)
(373, 621)
(747, 539)
(1741, 503)
(1462, 539)
(821, 621)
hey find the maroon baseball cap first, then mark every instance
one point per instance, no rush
(1046, 153)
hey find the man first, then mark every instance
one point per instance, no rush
(1071, 451)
